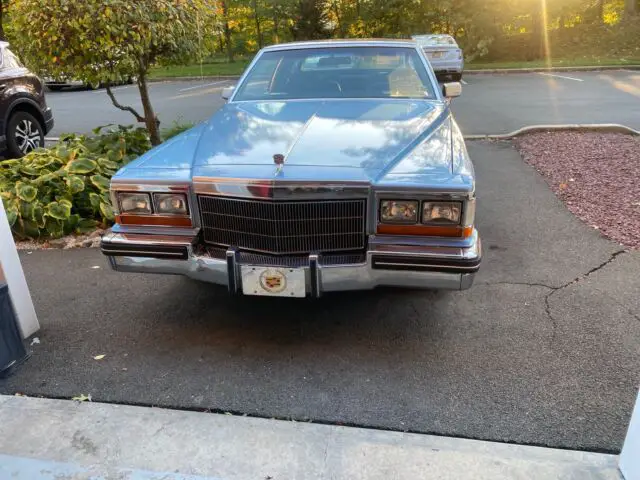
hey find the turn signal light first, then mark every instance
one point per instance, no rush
(426, 230)
(153, 220)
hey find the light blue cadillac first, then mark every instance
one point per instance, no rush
(334, 165)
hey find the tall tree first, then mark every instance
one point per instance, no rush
(105, 42)
(226, 28)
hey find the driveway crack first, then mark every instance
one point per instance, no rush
(554, 290)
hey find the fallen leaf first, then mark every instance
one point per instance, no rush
(82, 398)
(95, 267)
(99, 357)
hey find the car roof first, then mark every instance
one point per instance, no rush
(371, 42)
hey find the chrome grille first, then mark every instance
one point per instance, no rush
(284, 227)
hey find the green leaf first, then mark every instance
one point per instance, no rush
(86, 225)
(94, 198)
(26, 210)
(58, 210)
(107, 211)
(109, 164)
(26, 192)
(81, 166)
(29, 170)
(12, 216)
(38, 216)
(75, 183)
(54, 227)
(101, 182)
(30, 228)
(66, 202)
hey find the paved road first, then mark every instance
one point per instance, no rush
(490, 103)
(527, 355)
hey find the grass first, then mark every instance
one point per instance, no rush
(210, 67)
(573, 62)
(219, 66)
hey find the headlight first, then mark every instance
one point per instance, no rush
(399, 211)
(171, 204)
(444, 213)
(139, 203)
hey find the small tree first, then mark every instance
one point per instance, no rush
(107, 41)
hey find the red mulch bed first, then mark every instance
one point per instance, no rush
(597, 175)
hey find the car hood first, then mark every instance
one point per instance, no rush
(350, 140)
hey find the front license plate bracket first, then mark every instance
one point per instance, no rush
(273, 281)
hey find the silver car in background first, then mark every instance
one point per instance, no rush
(443, 53)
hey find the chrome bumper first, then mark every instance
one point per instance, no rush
(448, 264)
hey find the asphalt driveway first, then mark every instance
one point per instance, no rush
(545, 349)
(490, 104)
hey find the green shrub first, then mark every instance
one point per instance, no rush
(176, 128)
(65, 189)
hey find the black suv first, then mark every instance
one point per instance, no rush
(24, 116)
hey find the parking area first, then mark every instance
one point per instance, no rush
(542, 350)
(490, 104)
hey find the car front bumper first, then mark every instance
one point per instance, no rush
(448, 264)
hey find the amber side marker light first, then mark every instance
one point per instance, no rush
(425, 230)
(153, 220)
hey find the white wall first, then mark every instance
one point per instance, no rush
(630, 456)
(14, 277)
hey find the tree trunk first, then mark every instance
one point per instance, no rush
(336, 10)
(257, 20)
(227, 30)
(600, 11)
(276, 37)
(2, 36)
(630, 8)
(150, 118)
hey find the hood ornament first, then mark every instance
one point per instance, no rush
(278, 159)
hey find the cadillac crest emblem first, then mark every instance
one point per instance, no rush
(273, 281)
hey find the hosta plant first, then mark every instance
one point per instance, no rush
(65, 189)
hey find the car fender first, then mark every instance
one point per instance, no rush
(23, 99)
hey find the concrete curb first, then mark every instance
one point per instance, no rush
(103, 441)
(596, 127)
(552, 69)
(484, 71)
(190, 79)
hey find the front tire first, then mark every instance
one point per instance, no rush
(456, 77)
(24, 134)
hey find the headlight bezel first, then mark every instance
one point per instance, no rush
(400, 221)
(441, 222)
(421, 202)
(121, 210)
(157, 199)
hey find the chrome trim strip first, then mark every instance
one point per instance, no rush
(150, 253)
(424, 266)
(279, 189)
(232, 271)
(314, 274)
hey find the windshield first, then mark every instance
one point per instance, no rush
(337, 72)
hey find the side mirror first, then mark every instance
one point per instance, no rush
(227, 92)
(452, 89)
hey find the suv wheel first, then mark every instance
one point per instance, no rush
(24, 134)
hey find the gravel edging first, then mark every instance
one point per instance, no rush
(595, 174)
(90, 240)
